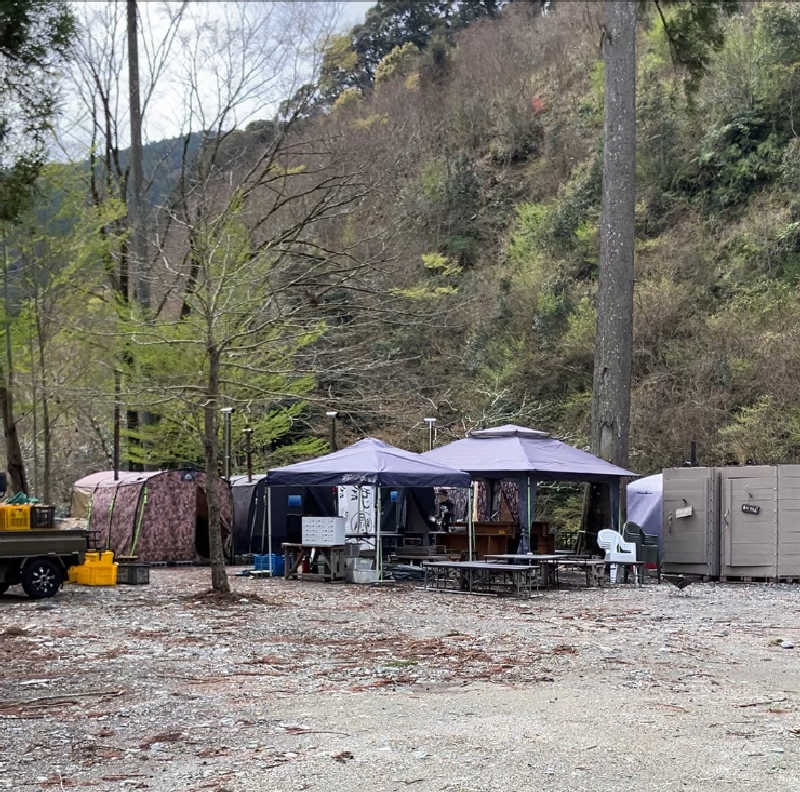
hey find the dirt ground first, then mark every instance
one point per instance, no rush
(310, 686)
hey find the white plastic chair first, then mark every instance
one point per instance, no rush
(617, 549)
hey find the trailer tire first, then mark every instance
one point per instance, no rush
(42, 578)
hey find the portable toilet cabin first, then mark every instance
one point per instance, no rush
(690, 530)
(748, 521)
(789, 521)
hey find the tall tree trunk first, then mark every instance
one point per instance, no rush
(46, 429)
(611, 397)
(219, 578)
(15, 462)
(34, 415)
(136, 199)
(136, 211)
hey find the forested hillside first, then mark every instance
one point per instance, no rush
(491, 152)
(427, 222)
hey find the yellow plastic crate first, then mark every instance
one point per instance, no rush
(15, 518)
(98, 569)
(98, 575)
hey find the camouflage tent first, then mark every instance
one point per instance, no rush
(159, 516)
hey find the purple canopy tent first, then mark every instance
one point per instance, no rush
(518, 452)
(368, 463)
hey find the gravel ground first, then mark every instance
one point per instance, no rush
(325, 687)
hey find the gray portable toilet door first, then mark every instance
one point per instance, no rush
(689, 520)
(749, 519)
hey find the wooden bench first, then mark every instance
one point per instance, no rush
(479, 576)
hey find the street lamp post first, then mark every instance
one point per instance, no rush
(226, 417)
(247, 432)
(430, 422)
(332, 415)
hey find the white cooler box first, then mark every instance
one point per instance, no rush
(323, 530)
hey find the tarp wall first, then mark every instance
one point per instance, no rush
(644, 503)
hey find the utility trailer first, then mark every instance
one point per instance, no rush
(39, 559)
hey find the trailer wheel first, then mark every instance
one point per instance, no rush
(41, 578)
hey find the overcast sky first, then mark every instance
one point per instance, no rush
(166, 115)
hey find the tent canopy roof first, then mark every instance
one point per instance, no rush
(241, 480)
(105, 478)
(369, 462)
(649, 485)
(511, 450)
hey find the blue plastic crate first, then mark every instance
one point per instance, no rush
(261, 563)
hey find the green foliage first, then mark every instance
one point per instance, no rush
(395, 31)
(348, 98)
(440, 265)
(762, 433)
(227, 322)
(694, 30)
(441, 271)
(517, 136)
(448, 201)
(481, 189)
(737, 158)
(565, 228)
(749, 112)
(34, 41)
(393, 23)
(339, 70)
(398, 63)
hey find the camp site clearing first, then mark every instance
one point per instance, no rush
(311, 686)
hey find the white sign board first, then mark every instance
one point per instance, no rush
(684, 511)
(357, 506)
(323, 531)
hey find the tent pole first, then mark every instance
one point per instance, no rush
(269, 526)
(378, 542)
(264, 524)
(470, 526)
(528, 524)
(252, 522)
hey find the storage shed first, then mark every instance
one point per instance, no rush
(158, 516)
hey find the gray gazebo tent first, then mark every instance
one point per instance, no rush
(516, 452)
(368, 463)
